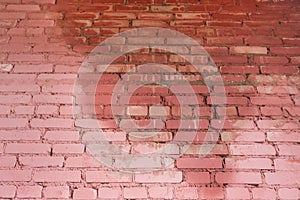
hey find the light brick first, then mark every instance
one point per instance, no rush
(109, 192)
(29, 192)
(57, 192)
(237, 193)
(289, 193)
(239, 177)
(57, 176)
(263, 193)
(108, 177)
(68, 148)
(158, 192)
(248, 50)
(186, 193)
(85, 193)
(28, 148)
(7, 161)
(7, 191)
(282, 178)
(41, 161)
(159, 177)
(135, 193)
(15, 175)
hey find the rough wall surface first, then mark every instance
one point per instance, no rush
(255, 45)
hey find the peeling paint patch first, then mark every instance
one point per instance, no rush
(6, 67)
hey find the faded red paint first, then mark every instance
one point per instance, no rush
(255, 45)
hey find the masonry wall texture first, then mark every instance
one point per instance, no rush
(255, 45)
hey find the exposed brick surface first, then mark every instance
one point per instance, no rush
(255, 46)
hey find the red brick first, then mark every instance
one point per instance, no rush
(135, 192)
(248, 163)
(293, 111)
(85, 193)
(279, 69)
(289, 150)
(150, 136)
(159, 177)
(164, 9)
(282, 178)
(16, 48)
(271, 111)
(237, 193)
(18, 135)
(50, 109)
(68, 148)
(26, 58)
(238, 136)
(248, 111)
(263, 193)
(277, 90)
(270, 60)
(12, 15)
(85, 123)
(211, 193)
(4, 110)
(131, 8)
(266, 41)
(224, 41)
(7, 161)
(286, 164)
(29, 192)
(53, 99)
(158, 191)
(218, 149)
(15, 175)
(271, 100)
(233, 124)
(235, 89)
(13, 122)
(198, 163)
(41, 161)
(84, 161)
(36, 23)
(28, 148)
(278, 124)
(255, 149)
(197, 177)
(229, 111)
(154, 147)
(285, 50)
(52, 122)
(8, 191)
(62, 135)
(109, 192)
(23, 7)
(24, 110)
(186, 192)
(15, 99)
(149, 23)
(107, 177)
(57, 192)
(229, 100)
(239, 177)
(285, 136)
(187, 124)
(57, 176)
(20, 88)
(288, 193)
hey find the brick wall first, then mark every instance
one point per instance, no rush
(255, 46)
